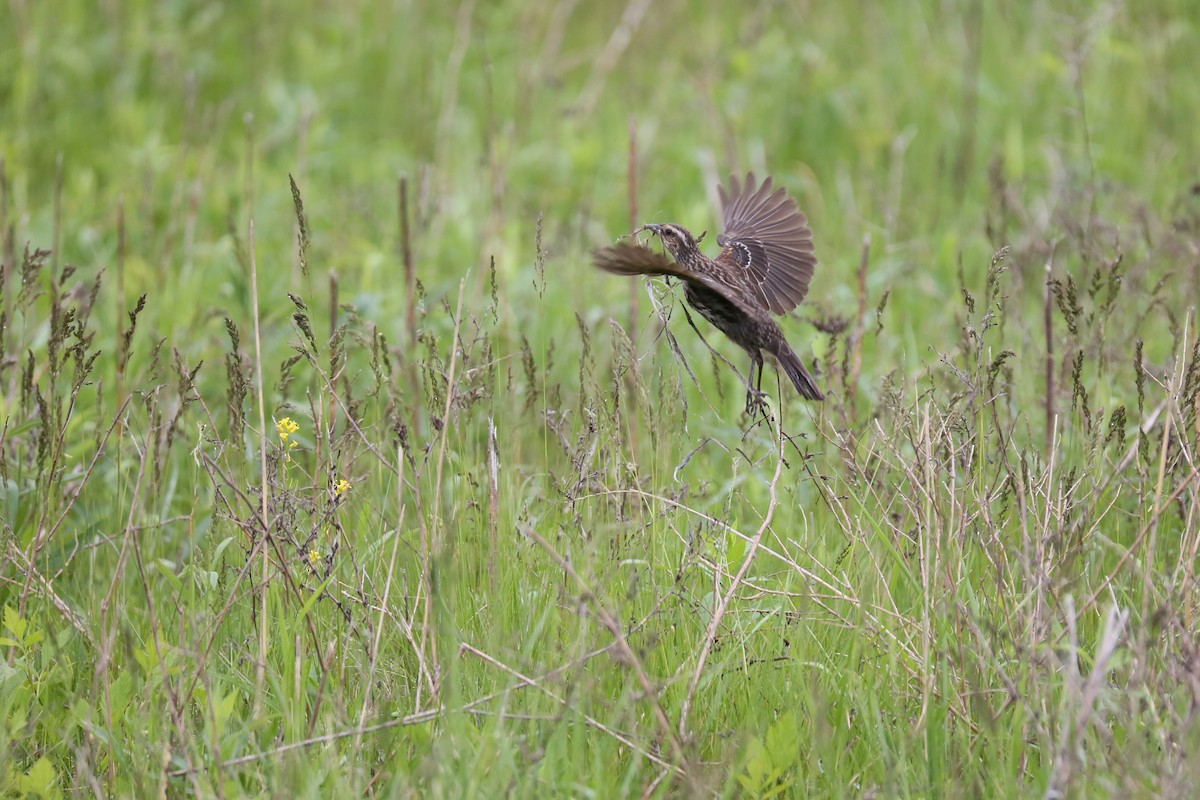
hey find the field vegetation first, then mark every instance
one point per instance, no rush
(329, 467)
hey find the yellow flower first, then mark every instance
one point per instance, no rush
(286, 427)
(340, 488)
(314, 556)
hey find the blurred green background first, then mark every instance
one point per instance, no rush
(881, 119)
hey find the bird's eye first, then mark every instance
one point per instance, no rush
(668, 232)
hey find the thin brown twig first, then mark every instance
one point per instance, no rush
(565, 703)
(264, 491)
(383, 604)
(175, 708)
(431, 544)
(410, 283)
(493, 458)
(416, 718)
(412, 719)
(218, 620)
(122, 355)
(626, 653)
(33, 576)
(856, 338)
(632, 419)
(6, 296)
(826, 584)
(45, 534)
(109, 636)
(1048, 324)
(710, 635)
(1150, 525)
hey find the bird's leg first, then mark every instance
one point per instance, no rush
(754, 394)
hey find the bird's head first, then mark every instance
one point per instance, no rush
(678, 240)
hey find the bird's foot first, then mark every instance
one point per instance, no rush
(756, 401)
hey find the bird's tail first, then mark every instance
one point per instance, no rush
(627, 258)
(794, 367)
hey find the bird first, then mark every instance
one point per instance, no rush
(764, 267)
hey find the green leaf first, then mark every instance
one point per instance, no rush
(782, 741)
(820, 346)
(40, 780)
(770, 760)
(119, 693)
(735, 551)
(758, 768)
(14, 624)
(216, 558)
(224, 709)
(7, 671)
(312, 600)
(167, 570)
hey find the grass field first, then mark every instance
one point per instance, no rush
(331, 468)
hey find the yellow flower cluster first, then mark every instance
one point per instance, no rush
(286, 427)
(341, 488)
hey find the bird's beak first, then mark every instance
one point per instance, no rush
(649, 227)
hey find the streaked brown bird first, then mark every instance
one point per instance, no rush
(764, 267)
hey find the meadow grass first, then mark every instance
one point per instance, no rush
(331, 468)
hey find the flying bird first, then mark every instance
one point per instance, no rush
(764, 268)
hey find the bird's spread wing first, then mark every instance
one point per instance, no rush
(768, 238)
(627, 258)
